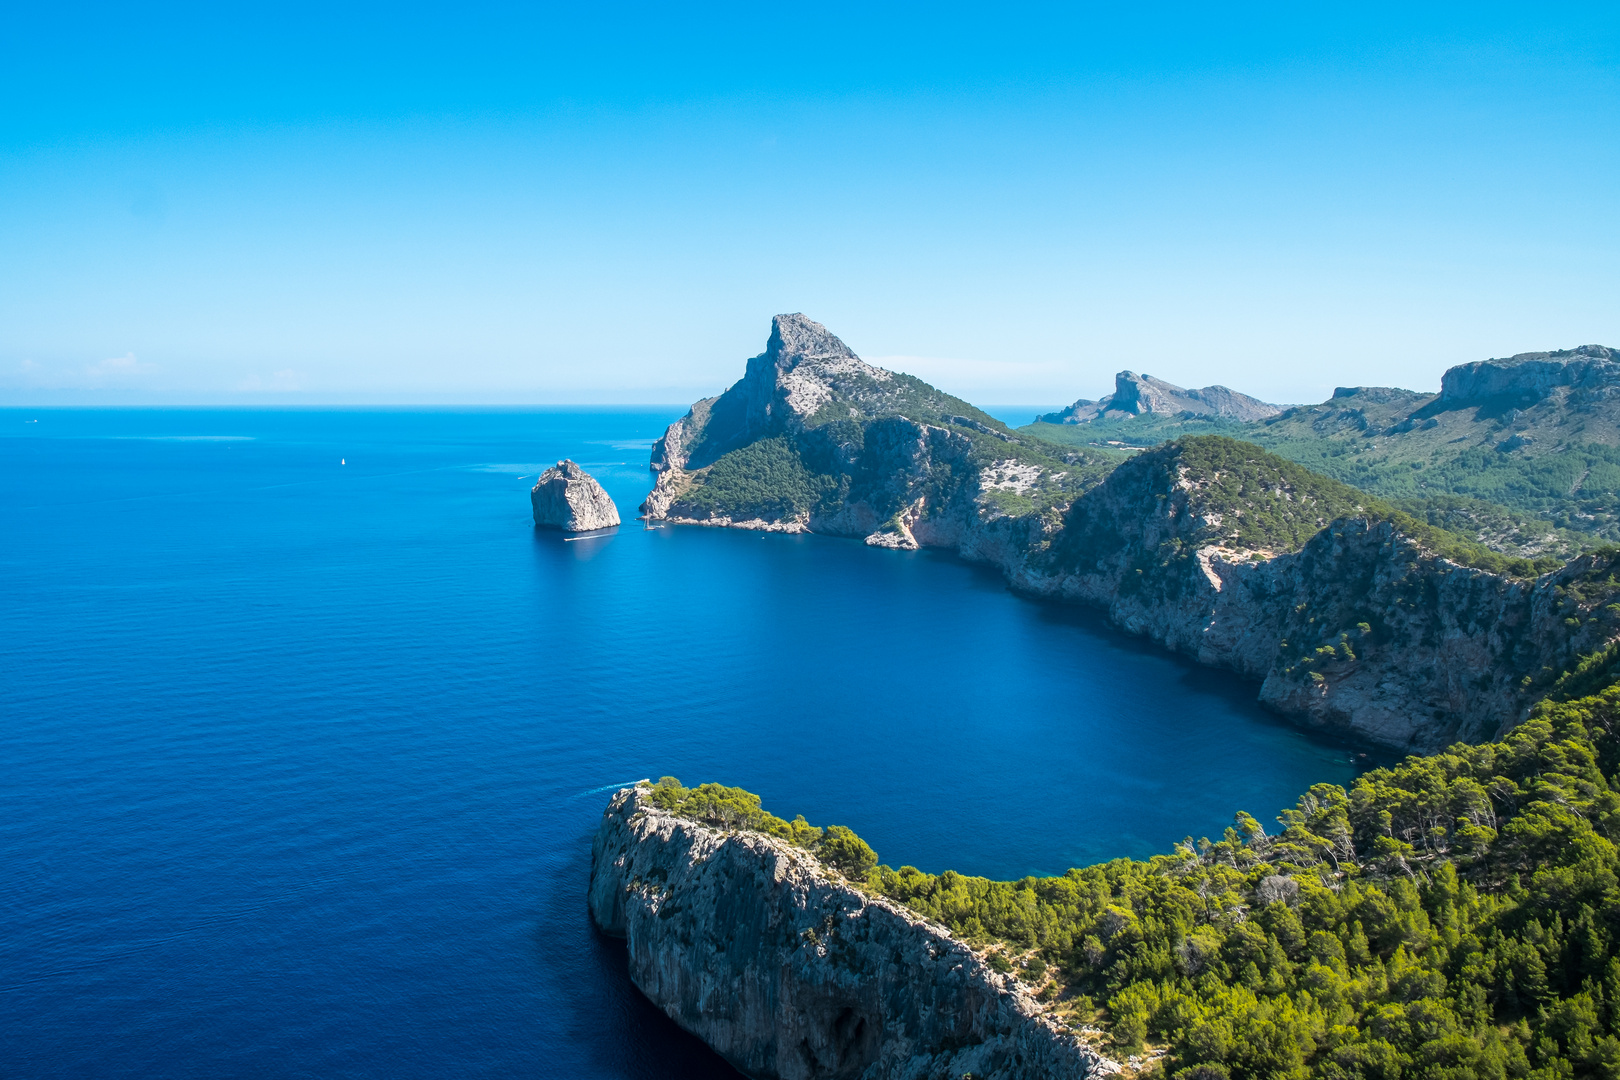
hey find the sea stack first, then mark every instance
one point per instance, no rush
(566, 497)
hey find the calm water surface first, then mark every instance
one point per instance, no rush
(302, 758)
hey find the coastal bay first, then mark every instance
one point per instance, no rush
(307, 771)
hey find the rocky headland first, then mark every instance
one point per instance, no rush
(1439, 918)
(1355, 616)
(567, 497)
(814, 439)
(791, 972)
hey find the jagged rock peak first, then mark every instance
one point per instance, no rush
(1137, 394)
(567, 497)
(800, 369)
(795, 337)
(803, 367)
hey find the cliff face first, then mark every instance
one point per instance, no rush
(1528, 378)
(790, 973)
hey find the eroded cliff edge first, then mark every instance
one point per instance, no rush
(790, 972)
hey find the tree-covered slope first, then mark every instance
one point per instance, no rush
(1237, 495)
(1454, 916)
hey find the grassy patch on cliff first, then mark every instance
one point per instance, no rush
(1147, 430)
(847, 460)
(1454, 916)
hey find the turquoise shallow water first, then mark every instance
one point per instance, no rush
(302, 758)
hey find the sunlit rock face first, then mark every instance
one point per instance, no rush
(566, 497)
(791, 973)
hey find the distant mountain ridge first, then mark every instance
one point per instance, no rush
(1526, 379)
(1537, 433)
(1137, 394)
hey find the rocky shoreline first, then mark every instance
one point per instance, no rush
(791, 973)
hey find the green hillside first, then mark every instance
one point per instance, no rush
(1555, 462)
(1251, 499)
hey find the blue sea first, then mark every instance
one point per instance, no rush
(304, 731)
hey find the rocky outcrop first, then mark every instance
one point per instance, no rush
(790, 972)
(1137, 394)
(803, 367)
(1524, 379)
(567, 497)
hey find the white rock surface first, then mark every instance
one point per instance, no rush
(566, 497)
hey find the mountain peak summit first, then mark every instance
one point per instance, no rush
(796, 337)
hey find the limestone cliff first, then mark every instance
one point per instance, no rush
(567, 497)
(1527, 379)
(790, 972)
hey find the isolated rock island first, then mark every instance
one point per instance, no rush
(567, 497)
(792, 973)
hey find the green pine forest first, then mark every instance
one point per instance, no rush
(1450, 917)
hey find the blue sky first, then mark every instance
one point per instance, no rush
(529, 204)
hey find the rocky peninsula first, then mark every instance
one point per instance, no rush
(1356, 616)
(791, 972)
(1440, 918)
(567, 497)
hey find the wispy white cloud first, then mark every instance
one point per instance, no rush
(116, 369)
(277, 382)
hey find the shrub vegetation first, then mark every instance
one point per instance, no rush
(1253, 499)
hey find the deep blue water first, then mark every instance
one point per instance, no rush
(301, 759)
